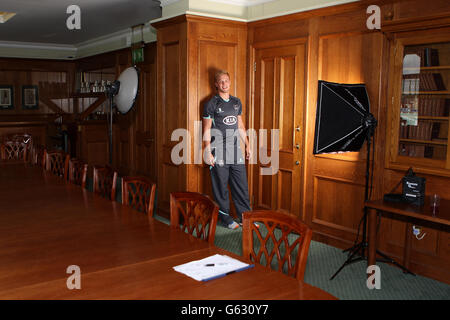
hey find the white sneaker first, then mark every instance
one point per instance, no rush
(233, 225)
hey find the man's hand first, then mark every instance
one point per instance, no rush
(248, 153)
(210, 159)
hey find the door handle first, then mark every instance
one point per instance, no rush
(297, 146)
(297, 129)
(297, 162)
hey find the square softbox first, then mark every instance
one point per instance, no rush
(342, 114)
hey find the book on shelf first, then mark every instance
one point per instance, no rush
(430, 57)
(423, 131)
(433, 106)
(428, 82)
(412, 150)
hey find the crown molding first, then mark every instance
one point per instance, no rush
(167, 2)
(113, 41)
(37, 46)
(242, 3)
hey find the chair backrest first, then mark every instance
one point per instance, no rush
(78, 172)
(139, 193)
(278, 241)
(198, 214)
(105, 179)
(14, 150)
(38, 155)
(57, 162)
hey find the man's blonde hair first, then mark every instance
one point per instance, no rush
(219, 74)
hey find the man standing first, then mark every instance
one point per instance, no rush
(223, 128)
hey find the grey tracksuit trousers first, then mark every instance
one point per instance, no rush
(235, 175)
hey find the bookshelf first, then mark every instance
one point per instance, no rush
(421, 106)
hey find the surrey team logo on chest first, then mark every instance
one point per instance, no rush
(230, 120)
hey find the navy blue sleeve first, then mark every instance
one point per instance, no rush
(208, 110)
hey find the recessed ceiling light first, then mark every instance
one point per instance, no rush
(5, 16)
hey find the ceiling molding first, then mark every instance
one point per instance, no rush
(167, 2)
(114, 41)
(37, 45)
(243, 3)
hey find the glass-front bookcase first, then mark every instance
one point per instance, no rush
(422, 104)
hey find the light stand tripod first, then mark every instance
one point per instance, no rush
(359, 249)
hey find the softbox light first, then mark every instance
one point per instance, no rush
(343, 117)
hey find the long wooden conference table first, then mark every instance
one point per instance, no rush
(47, 225)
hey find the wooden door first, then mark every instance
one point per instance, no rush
(145, 120)
(279, 101)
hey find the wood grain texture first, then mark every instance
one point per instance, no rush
(122, 254)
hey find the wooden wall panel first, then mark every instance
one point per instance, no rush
(145, 119)
(213, 45)
(341, 49)
(94, 144)
(190, 50)
(345, 58)
(54, 79)
(342, 210)
(171, 107)
(38, 131)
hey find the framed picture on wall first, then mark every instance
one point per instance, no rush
(6, 97)
(30, 98)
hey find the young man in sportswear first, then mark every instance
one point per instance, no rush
(223, 128)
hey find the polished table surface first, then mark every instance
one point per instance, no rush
(47, 225)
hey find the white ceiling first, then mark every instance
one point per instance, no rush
(44, 21)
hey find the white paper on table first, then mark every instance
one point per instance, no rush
(219, 265)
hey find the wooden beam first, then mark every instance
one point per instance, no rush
(92, 107)
(53, 106)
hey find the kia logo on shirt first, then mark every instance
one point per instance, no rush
(230, 120)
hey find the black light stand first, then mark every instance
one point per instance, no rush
(111, 91)
(359, 249)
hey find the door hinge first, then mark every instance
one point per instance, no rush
(254, 66)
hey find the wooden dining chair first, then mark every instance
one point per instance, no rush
(105, 179)
(25, 141)
(14, 150)
(139, 193)
(194, 213)
(57, 162)
(78, 172)
(38, 155)
(276, 240)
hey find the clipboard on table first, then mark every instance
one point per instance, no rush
(212, 267)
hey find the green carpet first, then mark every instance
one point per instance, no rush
(350, 283)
